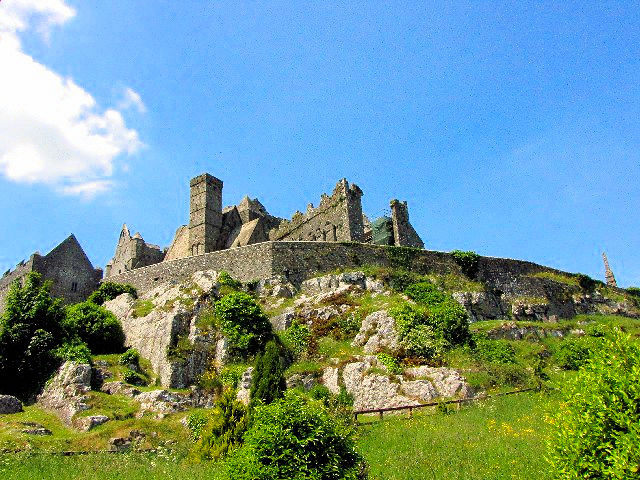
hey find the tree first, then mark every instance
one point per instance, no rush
(95, 326)
(597, 429)
(243, 322)
(30, 331)
(110, 290)
(268, 383)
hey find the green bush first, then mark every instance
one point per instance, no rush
(468, 262)
(134, 378)
(130, 357)
(196, 421)
(95, 326)
(390, 362)
(495, 351)
(596, 433)
(348, 325)
(573, 353)
(425, 293)
(223, 432)
(227, 280)
(267, 382)
(74, 352)
(297, 338)
(230, 375)
(110, 290)
(635, 291)
(30, 332)
(586, 282)
(295, 438)
(243, 322)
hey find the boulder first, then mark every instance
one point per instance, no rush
(378, 333)
(304, 380)
(480, 305)
(33, 428)
(284, 320)
(66, 393)
(119, 388)
(88, 423)
(9, 404)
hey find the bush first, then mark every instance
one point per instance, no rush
(30, 332)
(196, 421)
(243, 322)
(227, 423)
(130, 357)
(468, 262)
(134, 378)
(573, 353)
(268, 383)
(297, 439)
(596, 433)
(95, 326)
(635, 291)
(227, 280)
(390, 362)
(426, 293)
(296, 338)
(586, 282)
(494, 351)
(110, 290)
(74, 352)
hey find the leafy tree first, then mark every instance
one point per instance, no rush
(95, 326)
(268, 383)
(243, 322)
(110, 290)
(30, 332)
(586, 282)
(296, 438)
(468, 262)
(597, 429)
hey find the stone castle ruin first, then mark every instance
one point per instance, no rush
(211, 228)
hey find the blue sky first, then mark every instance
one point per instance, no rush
(510, 128)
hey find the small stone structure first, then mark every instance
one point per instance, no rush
(72, 276)
(338, 218)
(608, 274)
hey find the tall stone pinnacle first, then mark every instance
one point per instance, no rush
(608, 274)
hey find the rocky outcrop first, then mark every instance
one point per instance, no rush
(66, 393)
(481, 305)
(378, 334)
(90, 422)
(244, 386)
(9, 404)
(372, 386)
(277, 286)
(171, 319)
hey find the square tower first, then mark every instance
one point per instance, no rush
(205, 214)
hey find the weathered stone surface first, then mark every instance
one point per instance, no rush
(511, 331)
(34, 428)
(284, 320)
(304, 380)
(119, 388)
(446, 381)
(244, 386)
(378, 333)
(9, 404)
(480, 305)
(163, 401)
(65, 393)
(277, 286)
(88, 423)
(331, 379)
(120, 444)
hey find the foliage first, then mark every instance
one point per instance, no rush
(223, 432)
(231, 374)
(74, 352)
(495, 351)
(390, 362)
(296, 438)
(402, 257)
(297, 338)
(243, 322)
(95, 326)
(585, 282)
(468, 262)
(134, 378)
(573, 353)
(597, 430)
(142, 308)
(268, 383)
(30, 332)
(348, 325)
(426, 293)
(180, 350)
(196, 421)
(635, 291)
(110, 290)
(130, 357)
(227, 280)
(210, 381)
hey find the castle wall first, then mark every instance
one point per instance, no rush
(205, 214)
(132, 252)
(403, 232)
(338, 218)
(17, 273)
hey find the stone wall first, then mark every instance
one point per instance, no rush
(9, 277)
(338, 218)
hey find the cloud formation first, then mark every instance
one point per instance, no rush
(53, 131)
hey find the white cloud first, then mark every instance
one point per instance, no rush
(131, 99)
(53, 131)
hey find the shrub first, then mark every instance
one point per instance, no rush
(596, 432)
(130, 357)
(227, 280)
(573, 353)
(298, 439)
(134, 378)
(635, 291)
(30, 332)
(227, 423)
(417, 337)
(426, 293)
(296, 338)
(468, 262)
(243, 322)
(268, 383)
(95, 326)
(585, 282)
(390, 362)
(110, 290)
(348, 325)
(196, 421)
(596, 330)
(494, 351)
(210, 381)
(74, 352)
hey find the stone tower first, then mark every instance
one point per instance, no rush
(608, 274)
(403, 233)
(205, 214)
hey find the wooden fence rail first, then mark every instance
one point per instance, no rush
(410, 408)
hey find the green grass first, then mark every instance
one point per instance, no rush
(503, 438)
(454, 282)
(329, 347)
(142, 308)
(304, 366)
(557, 277)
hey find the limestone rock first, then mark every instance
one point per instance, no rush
(480, 305)
(304, 380)
(163, 402)
(284, 320)
(378, 333)
(244, 386)
(331, 378)
(119, 388)
(88, 423)
(120, 444)
(65, 393)
(9, 404)
(277, 286)
(33, 428)
(446, 381)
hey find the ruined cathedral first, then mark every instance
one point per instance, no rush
(337, 218)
